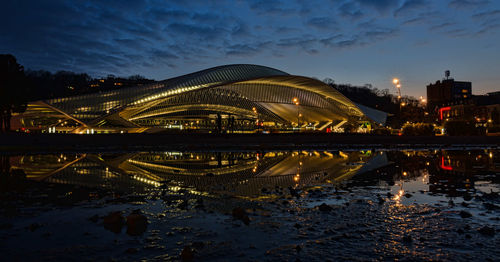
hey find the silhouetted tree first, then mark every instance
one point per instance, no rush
(13, 89)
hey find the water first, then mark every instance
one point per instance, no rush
(341, 205)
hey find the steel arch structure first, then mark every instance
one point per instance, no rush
(232, 97)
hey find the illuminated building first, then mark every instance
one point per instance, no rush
(238, 98)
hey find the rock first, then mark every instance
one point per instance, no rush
(407, 239)
(487, 231)
(490, 206)
(297, 226)
(460, 231)
(465, 214)
(491, 196)
(240, 214)
(298, 248)
(114, 222)
(381, 200)
(408, 195)
(467, 197)
(136, 224)
(464, 204)
(187, 254)
(325, 208)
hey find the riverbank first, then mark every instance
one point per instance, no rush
(18, 142)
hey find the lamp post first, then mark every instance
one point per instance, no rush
(296, 101)
(396, 82)
(256, 115)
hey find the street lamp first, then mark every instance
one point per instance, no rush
(296, 101)
(256, 115)
(397, 83)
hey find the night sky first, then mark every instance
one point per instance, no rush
(350, 41)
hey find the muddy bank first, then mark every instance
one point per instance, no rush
(356, 225)
(321, 223)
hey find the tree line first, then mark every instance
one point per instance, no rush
(400, 110)
(18, 86)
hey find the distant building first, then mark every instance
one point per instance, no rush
(483, 110)
(446, 91)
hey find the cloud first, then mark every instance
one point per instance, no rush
(467, 4)
(274, 7)
(350, 10)
(243, 50)
(380, 5)
(321, 23)
(409, 6)
(487, 14)
(119, 37)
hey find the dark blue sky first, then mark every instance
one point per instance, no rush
(351, 41)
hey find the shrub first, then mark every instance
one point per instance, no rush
(381, 131)
(462, 128)
(418, 129)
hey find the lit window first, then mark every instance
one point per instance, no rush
(465, 91)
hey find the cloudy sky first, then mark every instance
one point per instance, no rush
(351, 41)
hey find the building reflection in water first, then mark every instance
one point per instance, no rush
(254, 175)
(243, 174)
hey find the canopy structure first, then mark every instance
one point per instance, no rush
(226, 98)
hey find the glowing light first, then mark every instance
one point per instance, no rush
(441, 110)
(443, 166)
(395, 81)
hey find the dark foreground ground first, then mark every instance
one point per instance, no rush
(315, 224)
(111, 142)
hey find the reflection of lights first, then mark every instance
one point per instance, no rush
(491, 155)
(443, 166)
(343, 155)
(398, 196)
(328, 154)
(147, 181)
